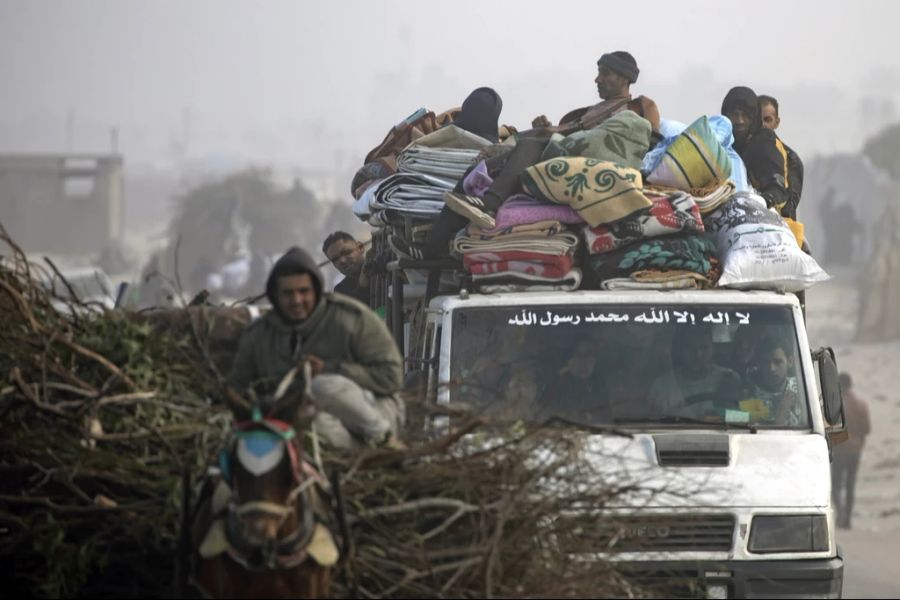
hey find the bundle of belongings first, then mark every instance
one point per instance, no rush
(596, 208)
(758, 248)
(589, 177)
(404, 179)
(427, 169)
(639, 236)
(537, 254)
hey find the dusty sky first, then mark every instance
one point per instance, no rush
(320, 82)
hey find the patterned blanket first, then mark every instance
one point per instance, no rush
(667, 215)
(522, 209)
(623, 139)
(601, 192)
(524, 282)
(521, 266)
(692, 252)
(484, 256)
(694, 159)
(549, 237)
(657, 280)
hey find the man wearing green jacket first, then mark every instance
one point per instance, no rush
(356, 367)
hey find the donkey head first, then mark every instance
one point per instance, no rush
(263, 461)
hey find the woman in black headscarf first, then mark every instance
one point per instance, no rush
(480, 114)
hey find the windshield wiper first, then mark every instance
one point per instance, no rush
(598, 429)
(676, 419)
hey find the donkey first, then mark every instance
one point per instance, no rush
(260, 532)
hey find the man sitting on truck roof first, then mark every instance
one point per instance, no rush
(696, 387)
(768, 107)
(355, 363)
(616, 72)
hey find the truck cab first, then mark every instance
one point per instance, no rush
(710, 406)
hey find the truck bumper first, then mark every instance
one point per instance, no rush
(821, 578)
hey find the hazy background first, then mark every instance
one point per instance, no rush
(189, 91)
(317, 84)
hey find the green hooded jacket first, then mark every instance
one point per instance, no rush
(344, 333)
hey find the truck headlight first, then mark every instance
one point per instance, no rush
(788, 533)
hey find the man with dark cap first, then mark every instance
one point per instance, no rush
(616, 71)
(356, 366)
(761, 150)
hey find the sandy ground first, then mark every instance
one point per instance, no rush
(872, 546)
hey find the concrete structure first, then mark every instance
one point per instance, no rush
(62, 203)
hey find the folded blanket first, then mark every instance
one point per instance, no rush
(668, 215)
(654, 276)
(693, 252)
(412, 194)
(627, 283)
(449, 137)
(623, 139)
(544, 228)
(693, 159)
(482, 256)
(601, 192)
(710, 198)
(522, 209)
(447, 163)
(523, 282)
(555, 242)
(658, 280)
(518, 266)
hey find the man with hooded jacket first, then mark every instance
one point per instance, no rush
(356, 366)
(762, 151)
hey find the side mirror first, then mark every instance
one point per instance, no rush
(832, 399)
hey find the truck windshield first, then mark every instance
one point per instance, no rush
(666, 366)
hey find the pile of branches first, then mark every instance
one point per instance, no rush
(100, 413)
(104, 416)
(504, 512)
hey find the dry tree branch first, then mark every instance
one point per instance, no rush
(76, 347)
(43, 501)
(29, 393)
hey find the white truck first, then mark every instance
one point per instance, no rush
(737, 451)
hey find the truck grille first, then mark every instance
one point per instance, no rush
(667, 533)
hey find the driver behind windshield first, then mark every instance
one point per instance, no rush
(695, 387)
(579, 392)
(773, 396)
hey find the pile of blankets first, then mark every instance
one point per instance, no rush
(425, 169)
(601, 208)
(534, 254)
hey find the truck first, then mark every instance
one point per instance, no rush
(740, 476)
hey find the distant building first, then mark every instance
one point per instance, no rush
(62, 203)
